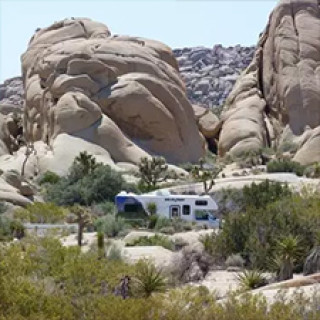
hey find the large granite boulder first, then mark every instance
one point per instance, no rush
(121, 98)
(280, 89)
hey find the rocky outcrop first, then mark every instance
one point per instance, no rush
(210, 74)
(119, 98)
(279, 92)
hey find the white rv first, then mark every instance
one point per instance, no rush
(200, 209)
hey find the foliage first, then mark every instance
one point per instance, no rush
(191, 264)
(49, 177)
(111, 225)
(206, 175)
(10, 229)
(152, 172)
(41, 212)
(156, 240)
(235, 260)
(152, 221)
(41, 279)
(100, 184)
(285, 165)
(313, 171)
(177, 225)
(288, 251)
(86, 163)
(254, 233)
(83, 218)
(152, 208)
(148, 279)
(103, 208)
(251, 279)
(258, 195)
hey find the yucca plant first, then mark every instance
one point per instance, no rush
(148, 279)
(251, 279)
(288, 250)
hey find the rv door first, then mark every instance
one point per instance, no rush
(174, 211)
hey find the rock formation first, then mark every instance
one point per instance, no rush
(210, 74)
(276, 100)
(120, 98)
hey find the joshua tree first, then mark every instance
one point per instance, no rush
(288, 251)
(153, 171)
(86, 161)
(82, 218)
(29, 150)
(206, 176)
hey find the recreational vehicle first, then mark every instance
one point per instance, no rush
(194, 208)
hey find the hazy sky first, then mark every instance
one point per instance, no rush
(177, 23)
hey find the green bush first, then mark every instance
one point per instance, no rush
(100, 184)
(111, 225)
(254, 233)
(156, 240)
(41, 279)
(152, 221)
(103, 208)
(258, 195)
(285, 165)
(178, 225)
(49, 177)
(41, 212)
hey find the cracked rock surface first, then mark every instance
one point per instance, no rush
(276, 100)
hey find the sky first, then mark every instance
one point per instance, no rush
(178, 23)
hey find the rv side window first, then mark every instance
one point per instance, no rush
(186, 210)
(201, 202)
(135, 207)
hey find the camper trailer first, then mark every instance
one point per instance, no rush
(194, 208)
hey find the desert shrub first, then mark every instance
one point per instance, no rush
(167, 230)
(100, 184)
(114, 253)
(103, 208)
(41, 279)
(156, 240)
(41, 212)
(235, 260)
(258, 195)
(190, 264)
(49, 177)
(285, 165)
(152, 221)
(111, 225)
(313, 171)
(177, 225)
(162, 222)
(251, 279)
(254, 233)
(148, 279)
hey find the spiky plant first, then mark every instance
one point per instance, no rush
(207, 176)
(288, 250)
(153, 171)
(251, 279)
(148, 279)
